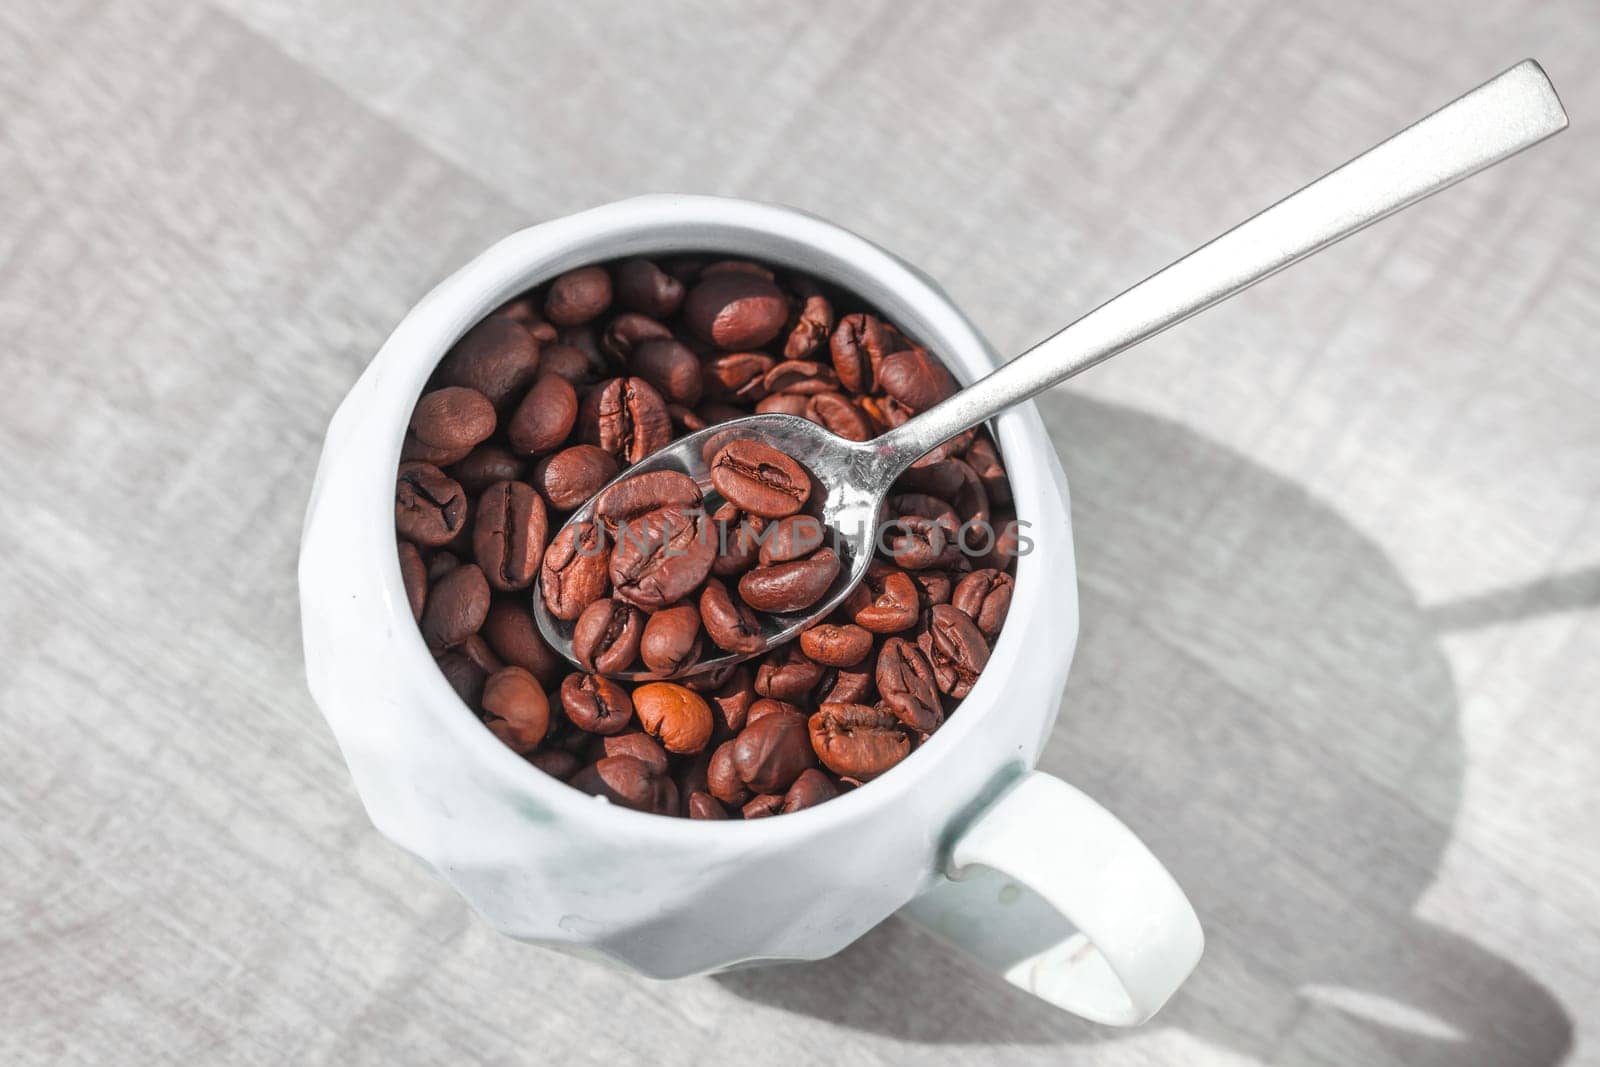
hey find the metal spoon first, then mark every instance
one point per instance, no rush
(1517, 109)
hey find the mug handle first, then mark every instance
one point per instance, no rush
(1055, 893)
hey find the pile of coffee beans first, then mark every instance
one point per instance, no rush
(553, 395)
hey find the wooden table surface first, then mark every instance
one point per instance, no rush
(1339, 540)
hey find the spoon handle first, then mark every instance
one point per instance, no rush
(1493, 122)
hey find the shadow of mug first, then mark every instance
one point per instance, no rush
(1258, 693)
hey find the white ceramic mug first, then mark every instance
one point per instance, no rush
(1015, 866)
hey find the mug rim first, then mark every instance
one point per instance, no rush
(637, 226)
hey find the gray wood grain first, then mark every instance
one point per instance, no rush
(1340, 541)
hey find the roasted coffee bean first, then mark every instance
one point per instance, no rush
(511, 632)
(838, 415)
(675, 714)
(595, 703)
(662, 556)
(801, 377)
(760, 709)
(708, 680)
(1009, 543)
(453, 418)
(440, 564)
(555, 762)
(728, 620)
(905, 681)
(788, 673)
(811, 328)
(573, 475)
(793, 538)
(722, 780)
(464, 676)
(485, 465)
(574, 571)
(935, 587)
(518, 710)
(848, 685)
(810, 789)
(705, 806)
(795, 404)
(856, 741)
(430, 507)
(456, 607)
(735, 310)
(736, 376)
(985, 596)
(671, 368)
(498, 357)
(940, 478)
(626, 333)
(638, 744)
(476, 649)
(885, 602)
(916, 379)
(730, 701)
(713, 413)
(644, 287)
(737, 266)
(686, 419)
(629, 782)
(857, 346)
(769, 753)
(606, 636)
(633, 498)
(792, 586)
(578, 296)
(508, 535)
(916, 543)
(984, 459)
(691, 770)
(738, 541)
(763, 806)
(414, 451)
(544, 419)
(671, 639)
(836, 646)
(757, 478)
(956, 649)
(571, 363)
(626, 417)
(414, 576)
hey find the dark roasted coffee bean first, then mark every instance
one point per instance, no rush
(713, 413)
(836, 646)
(838, 415)
(729, 622)
(849, 685)
(508, 535)
(770, 753)
(709, 680)
(737, 266)
(856, 741)
(934, 587)
(760, 709)
(570, 362)
(916, 379)
(596, 703)
(736, 376)
(555, 762)
(802, 377)
(722, 780)
(956, 649)
(578, 296)
(606, 636)
(485, 465)
(738, 537)
(440, 564)
(413, 450)
(638, 744)
(629, 782)
(453, 418)
(573, 475)
(735, 309)
(626, 417)
(498, 357)
(1009, 542)
(763, 806)
(795, 404)
(662, 556)
(984, 458)
(518, 710)
(788, 673)
(671, 368)
(464, 676)
(480, 653)
(675, 714)
(811, 328)
(792, 586)
(430, 508)
(671, 639)
(940, 478)
(626, 333)
(810, 789)
(511, 632)
(456, 607)
(905, 681)
(414, 576)
(644, 287)
(759, 479)
(730, 701)
(574, 571)
(792, 538)
(545, 417)
(633, 498)
(857, 346)
(705, 806)
(886, 602)
(686, 419)
(916, 543)
(985, 596)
